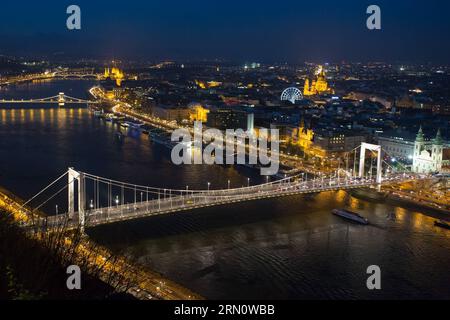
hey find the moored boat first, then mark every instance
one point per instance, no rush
(134, 125)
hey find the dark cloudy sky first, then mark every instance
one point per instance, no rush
(239, 30)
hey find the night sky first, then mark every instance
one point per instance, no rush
(237, 30)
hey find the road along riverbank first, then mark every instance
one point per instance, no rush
(401, 199)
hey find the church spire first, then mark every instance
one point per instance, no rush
(419, 137)
(438, 140)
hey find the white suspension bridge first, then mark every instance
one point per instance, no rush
(61, 99)
(94, 200)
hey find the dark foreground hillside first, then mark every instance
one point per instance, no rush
(30, 269)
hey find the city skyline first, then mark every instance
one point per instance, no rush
(292, 31)
(236, 151)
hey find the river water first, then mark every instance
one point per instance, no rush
(287, 248)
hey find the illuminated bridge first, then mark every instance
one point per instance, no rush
(61, 99)
(78, 74)
(95, 200)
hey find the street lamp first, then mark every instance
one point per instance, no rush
(92, 204)
(117, 201)
(248, 182)
(209, 183)
(228, 184)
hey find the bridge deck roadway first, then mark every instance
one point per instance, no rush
(189, 201)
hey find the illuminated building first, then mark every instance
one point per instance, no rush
(207, 85)
(302, 136)
(191, 113)
(200, 84)
(398, 144)
(213, 84)
(323, 143)
(424, 159)
(329, 143)
(318, 85)
(171, 113)
(198, 113)
(115, 74)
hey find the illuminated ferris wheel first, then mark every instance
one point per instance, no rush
(291, 94)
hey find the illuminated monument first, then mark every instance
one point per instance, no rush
(318, 86)
(115, 74)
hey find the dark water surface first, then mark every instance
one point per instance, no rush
(280, 248)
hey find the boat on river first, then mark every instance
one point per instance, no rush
(349, 215)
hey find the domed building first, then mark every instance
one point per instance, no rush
(318, 86)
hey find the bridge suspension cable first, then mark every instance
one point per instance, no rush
(43, 190)
(102, 200)
(155, 190)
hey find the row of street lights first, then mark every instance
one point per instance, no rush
(117, 201)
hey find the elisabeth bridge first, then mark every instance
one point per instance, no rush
(93, 200)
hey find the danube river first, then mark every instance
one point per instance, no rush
(290, 248)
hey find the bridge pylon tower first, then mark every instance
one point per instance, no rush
(75, 176)
(377, 149)
(61, 99)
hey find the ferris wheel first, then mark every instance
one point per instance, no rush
(291, 94)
